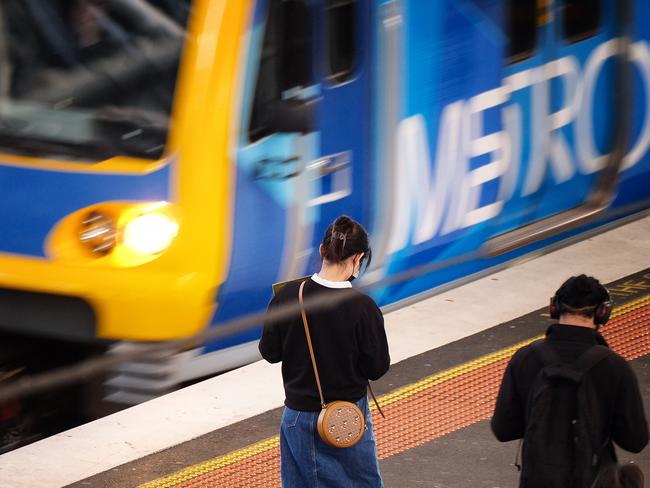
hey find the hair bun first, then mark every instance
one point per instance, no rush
(343, 222)
(344, 238)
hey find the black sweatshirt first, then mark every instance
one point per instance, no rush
(613, 379)
(349, 343)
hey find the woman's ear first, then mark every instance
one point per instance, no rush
(321, 250)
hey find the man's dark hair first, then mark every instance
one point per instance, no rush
(581, 295)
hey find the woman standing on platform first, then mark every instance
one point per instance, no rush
(350, 348)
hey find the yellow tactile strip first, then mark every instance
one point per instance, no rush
(223, 461)
(427, 409)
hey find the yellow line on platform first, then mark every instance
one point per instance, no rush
(436, 379)
(385, 400)
(213, 464)
(448, 374)
(633, 305)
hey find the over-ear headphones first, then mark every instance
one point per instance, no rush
(602, 312)
(554, 308)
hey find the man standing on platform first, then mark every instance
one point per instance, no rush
(569, 396)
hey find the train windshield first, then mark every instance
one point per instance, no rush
(88, 79)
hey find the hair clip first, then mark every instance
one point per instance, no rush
(341, 236)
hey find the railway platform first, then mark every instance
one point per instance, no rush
(437, 406)
(449, 352)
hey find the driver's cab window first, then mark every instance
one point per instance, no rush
(89, 78)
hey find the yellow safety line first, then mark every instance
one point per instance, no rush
(448, 374)
(216, 463)
(387, 399)
(638, 303)
(395, 396)
(470, 366)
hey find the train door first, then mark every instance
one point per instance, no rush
(301, 154)
(563, 118)
(344, 113)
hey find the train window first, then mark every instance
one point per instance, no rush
(89, 79)
(581, 19)
(285, 62)
(522, 29)
(341, 31)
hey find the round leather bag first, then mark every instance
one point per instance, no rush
(341, 424)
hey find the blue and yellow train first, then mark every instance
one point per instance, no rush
(162, 162)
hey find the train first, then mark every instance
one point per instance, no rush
(163, 163)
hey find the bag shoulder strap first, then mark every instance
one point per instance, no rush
(553, 366)
(311, 349)
(575, 371)
(591, 357)
(313, 357)
(583, 363)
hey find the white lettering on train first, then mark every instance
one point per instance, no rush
(429, 204)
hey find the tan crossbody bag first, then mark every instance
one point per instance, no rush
(340, 423)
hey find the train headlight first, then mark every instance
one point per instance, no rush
(98, 232)
(149, 233)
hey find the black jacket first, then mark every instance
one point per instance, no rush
(613, 378)
(349, 343)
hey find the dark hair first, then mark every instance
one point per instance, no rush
(344, 238)
(581, 295)
(620, 476)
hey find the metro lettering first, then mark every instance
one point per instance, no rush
(430, 205)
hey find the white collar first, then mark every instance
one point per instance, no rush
(330, 284)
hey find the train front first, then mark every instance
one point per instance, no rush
(113, 166)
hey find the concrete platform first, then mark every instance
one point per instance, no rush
(430, 337)
(445, 396)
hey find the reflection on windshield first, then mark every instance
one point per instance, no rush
(88, 78)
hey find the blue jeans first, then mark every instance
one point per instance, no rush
(307, 462)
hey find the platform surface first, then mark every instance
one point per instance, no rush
(437, 405)
(447, 351)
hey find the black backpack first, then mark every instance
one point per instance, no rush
(566, 440)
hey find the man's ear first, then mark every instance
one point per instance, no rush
(321, 250)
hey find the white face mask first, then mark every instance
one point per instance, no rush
(355, 272)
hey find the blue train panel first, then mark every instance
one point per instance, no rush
(442, 139)
(34, 200)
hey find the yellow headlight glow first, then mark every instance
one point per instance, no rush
(149, 233)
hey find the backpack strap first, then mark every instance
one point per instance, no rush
(591, 357)
(587, 360)
(554, 367)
